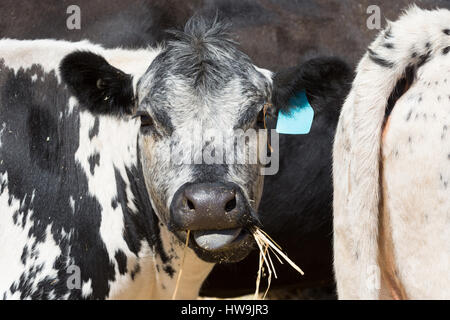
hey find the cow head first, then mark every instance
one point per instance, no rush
(197, 102)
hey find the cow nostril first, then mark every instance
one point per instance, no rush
(190, 205)
(230, 205)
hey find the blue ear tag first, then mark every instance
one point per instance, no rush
(300, 118)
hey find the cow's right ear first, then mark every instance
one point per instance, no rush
(326, 82)
(98, 86)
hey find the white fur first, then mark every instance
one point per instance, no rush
(410, 185)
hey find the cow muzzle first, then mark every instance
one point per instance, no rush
(217, 214)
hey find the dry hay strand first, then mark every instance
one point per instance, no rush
(181, 267)
(266, 246)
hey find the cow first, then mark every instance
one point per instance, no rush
(391, 165)
(92, 205)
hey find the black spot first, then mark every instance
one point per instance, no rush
(423, 59)
(388, 45)
(94, 160)
(409, 115)
(24, 256)
(378, 60)
(414, 54)
(445, 50)
(428, 45)
(446, 31)
(121, 259)
(114, 203)
(169, 270)
(135, 271)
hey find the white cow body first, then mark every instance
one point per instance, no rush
(391, 180)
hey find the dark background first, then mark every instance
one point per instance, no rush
(274, 33)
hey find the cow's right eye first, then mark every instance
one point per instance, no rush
(146, 120)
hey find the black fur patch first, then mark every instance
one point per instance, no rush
(98, 86)
(121, 259)
(94, 160)
(400, 88)
(135, 271)
(325, 80)
(380, 61)
(424, 59)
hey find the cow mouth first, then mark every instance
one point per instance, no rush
(220, 246)
(212, 240)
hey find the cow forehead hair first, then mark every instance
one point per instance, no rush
(202, 58)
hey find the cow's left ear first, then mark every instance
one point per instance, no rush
(98, 86)
(325, 81)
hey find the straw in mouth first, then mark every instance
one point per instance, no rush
(266, 246)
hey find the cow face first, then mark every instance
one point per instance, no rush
(201, 105)
(198, 102)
